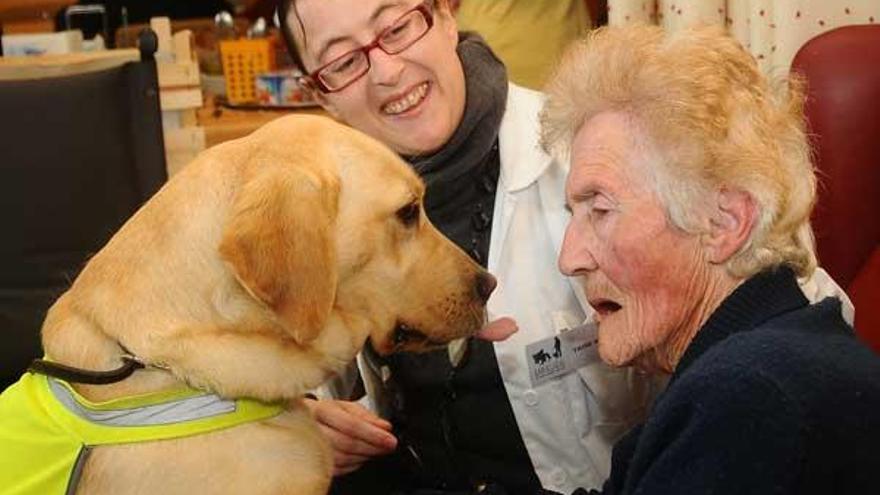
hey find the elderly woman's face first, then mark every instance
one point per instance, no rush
(643, 277)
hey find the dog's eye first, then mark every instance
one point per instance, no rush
(409, 214)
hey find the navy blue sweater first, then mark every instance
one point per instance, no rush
(772, 396)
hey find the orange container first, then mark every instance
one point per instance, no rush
(243, 60)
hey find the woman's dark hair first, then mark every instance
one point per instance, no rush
(284, 9)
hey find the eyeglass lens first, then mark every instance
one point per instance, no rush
(394, 39)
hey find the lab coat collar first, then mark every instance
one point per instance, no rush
(522, 160)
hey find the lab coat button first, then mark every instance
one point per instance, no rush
(530, 397)
(559, 476)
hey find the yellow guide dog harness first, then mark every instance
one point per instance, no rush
(47, 430)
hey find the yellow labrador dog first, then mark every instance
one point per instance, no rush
(259, 271)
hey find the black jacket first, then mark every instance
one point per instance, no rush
(772, 396)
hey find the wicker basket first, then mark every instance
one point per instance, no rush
(242, 61)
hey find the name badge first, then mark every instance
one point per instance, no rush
(561, 354)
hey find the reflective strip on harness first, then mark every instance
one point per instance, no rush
(175, 411)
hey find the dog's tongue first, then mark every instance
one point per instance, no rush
(498, 330)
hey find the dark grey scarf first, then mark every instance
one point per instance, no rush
(435, 404)
(486, 96)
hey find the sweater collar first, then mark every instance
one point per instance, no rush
(764, 296)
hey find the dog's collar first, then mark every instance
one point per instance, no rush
(130, 364)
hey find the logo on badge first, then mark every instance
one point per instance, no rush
(548, 362)
(542, 356)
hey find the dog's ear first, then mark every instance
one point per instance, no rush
(279, 241)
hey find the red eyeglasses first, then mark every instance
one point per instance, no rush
(342, 71)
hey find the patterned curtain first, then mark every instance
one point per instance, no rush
(772, 30)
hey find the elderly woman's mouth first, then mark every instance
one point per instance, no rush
(604, 307)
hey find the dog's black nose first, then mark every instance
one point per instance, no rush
(485, 285)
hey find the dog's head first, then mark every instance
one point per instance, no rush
(329, 220)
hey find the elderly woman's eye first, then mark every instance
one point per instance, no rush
(409, 214)
(597, 212)
(599, 206)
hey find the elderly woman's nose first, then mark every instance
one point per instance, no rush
(575, 257)
(385, 69)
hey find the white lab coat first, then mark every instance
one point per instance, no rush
(569, 425)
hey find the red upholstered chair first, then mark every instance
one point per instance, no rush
(842, 72)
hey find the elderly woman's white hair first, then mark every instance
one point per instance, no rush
(713, 122)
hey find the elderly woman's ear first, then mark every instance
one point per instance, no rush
(733, 215)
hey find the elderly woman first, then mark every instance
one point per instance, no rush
(690, 191)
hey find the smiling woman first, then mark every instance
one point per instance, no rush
(345, 69)
(414, 111)
(690, 193)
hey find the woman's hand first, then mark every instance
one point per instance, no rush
(355, 433)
